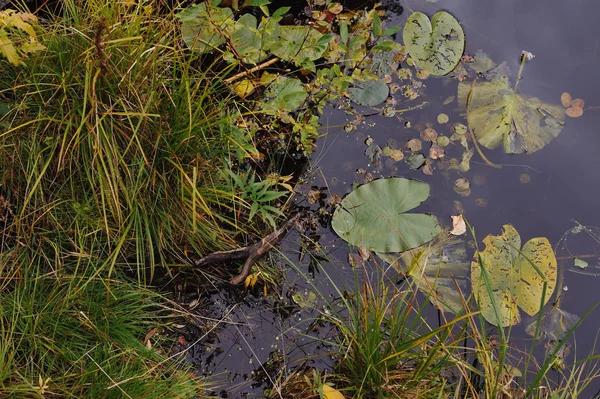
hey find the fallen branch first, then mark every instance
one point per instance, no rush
(251, 253)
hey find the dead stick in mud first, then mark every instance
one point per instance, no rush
(251, 253)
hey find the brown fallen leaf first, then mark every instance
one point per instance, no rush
(436, 151)
(574, 112)
(578, 102)
(566, 99)
(459, 226)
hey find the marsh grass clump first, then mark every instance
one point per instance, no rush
(110, 139)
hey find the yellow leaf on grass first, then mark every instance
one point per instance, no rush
(8, 50)
(330, 392)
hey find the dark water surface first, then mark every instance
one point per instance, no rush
(565, 181)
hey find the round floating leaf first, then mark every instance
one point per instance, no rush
(372, 216)
(498, 115)
(435, 45)
(369, 93)
(516, 276)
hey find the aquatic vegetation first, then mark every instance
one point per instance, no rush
(500, 116)
(374, 216)
(435, 45)
(506, 277)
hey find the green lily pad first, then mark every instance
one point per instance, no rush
(369, 93)
(300, 43)
(435, 45)
(373, 216)
(498, 116)
(516, 276)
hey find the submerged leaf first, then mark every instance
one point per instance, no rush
(438, 269)
(372, 216)
(498, 115)
(554, 324)
(516, 277)
(435, 45)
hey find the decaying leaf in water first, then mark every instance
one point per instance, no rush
(565, 99)
(436, 151)
(554, 324)
(396, 155)
(459, 128)
(518, 277)
(524, 178)
(428, 167)
(500, 116)
(429, 134)
(438, 270)
(459, 226)
(415, 161)
(442, 118)
(574, 112)
(414, 145)
(448, 100)
(578, 102)
(443, 141)
(462, 187)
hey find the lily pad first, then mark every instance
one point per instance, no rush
(498, 115)
(516, 276)
(435, 45)
(369, 93)
(373, 216)
(438, 269)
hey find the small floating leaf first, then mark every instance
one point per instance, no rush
(459, 226)
(580, 263)
(436, 45)
(565, 99)
(578, 102)
(442, 118)
(516, 276)
(369, 93)
(373, 216)
(574, 112)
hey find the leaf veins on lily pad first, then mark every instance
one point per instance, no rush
(369, 93)
(373, 216)
(500, 116)
(435, 45)
(506, 277)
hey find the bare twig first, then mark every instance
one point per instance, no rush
(251, 253)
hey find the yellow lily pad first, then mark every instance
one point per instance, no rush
(516, 276)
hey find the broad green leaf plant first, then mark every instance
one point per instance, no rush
(373, 216)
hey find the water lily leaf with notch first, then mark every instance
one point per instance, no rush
(284, 94)
(246, 40)
(373, 216)
(300, 43)
(498, 116)
(516, 276)
(369, 93)
(435, 45)
(438, 269)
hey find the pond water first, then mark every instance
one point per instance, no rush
(565, 187)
